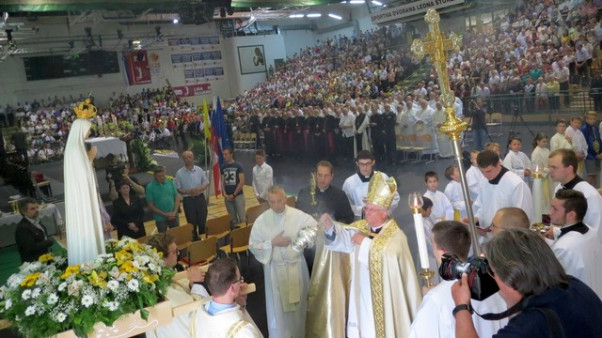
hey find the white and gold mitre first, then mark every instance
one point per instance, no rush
(381, 191)
(85, 109)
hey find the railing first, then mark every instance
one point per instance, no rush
(547, 107)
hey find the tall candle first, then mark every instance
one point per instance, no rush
(421, 238)
(537, 196)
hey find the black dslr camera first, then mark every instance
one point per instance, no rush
(480, 281)
(115, 172)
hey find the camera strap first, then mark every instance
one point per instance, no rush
(497, 316)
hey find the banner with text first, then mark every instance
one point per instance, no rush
(411, 9)
(192, 90)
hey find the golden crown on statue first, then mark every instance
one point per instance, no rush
(85, 109)
(381, 191)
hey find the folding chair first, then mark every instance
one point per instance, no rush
(239, 242)
(182, 234)
(202, 252)
(254, 212)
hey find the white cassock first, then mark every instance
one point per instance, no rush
(435, 319)
(443, 210)
(443, 142)
(356, 189)
(474, 177)
(404, 127)
(579, 145)
(363, 130)
(507, 191)
(559, 141)
(453, 191)
(285, 271)
(232, 323)
(593, 216)
(517, 162)
(579, 254)
(385, 292)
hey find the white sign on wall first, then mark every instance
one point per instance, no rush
(414, 8)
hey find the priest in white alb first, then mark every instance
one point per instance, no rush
(285, 271)
(385, 293)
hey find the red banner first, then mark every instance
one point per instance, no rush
(138, 69)
(192, 90)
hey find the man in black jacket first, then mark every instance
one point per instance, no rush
(31, 236)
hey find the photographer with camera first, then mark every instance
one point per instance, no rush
(118, 172)
(541, 298)
(435, 318)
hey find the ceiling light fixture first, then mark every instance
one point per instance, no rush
(296, 16)
(334, 16)
(314, 15)
(175, 21)
(377, 3)
(356, 2)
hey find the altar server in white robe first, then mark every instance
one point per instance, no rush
(474, 176)
(356, 185)
(435, 318)
(517, 161)
(453, 191)
(442, 208)
(422, 119)
(501, 188)
(577, 248)
(285, 271)
(384, 288)
(562, 166)
(221, 315)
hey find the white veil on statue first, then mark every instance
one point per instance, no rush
(85, 240)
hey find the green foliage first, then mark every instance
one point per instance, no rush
(200, 151)
(143, 155)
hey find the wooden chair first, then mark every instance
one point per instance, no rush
(144, 239)
(182, 234)
(291, 201)
(202, 252)
(239, 242)
(218, 227)
(404, 146)
(255, 211)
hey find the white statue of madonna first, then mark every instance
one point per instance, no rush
(85, 240)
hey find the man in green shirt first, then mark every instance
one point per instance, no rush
(163, 200)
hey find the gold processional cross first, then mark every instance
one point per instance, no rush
(436, 46)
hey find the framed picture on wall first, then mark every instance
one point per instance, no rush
(251, 59)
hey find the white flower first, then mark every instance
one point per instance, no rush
(8, 304)
(87, 300)
(113, 285)
(111, 305)
(62, 286)
(114, 272)
(26, 294)
(152, 267)
(30, 311)
(134, 285)
(52, 299)
(36, 293)
(73, 288)
(60, 317)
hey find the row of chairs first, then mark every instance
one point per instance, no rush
(204, 251)
(419, 145)
(245, 141)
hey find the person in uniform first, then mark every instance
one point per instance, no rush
(385, 292)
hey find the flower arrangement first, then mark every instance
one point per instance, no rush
(47, 297)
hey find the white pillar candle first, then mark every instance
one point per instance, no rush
(537, 198)
(421, 238)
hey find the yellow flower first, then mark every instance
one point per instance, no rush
(97, 280)
(30, 280)
(122, 256)
(150, 279)
(71, 270)
(128, 267)
(46, 257)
